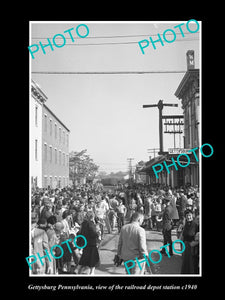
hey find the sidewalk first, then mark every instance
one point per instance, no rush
(108, 249)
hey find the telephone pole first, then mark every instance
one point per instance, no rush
(160, 106)
(130, 167)
(152, 150)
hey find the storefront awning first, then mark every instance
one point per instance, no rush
(147, 168)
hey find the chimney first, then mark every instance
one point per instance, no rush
(190, 59)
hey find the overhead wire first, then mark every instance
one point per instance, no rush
(113, 36)
(104, 72)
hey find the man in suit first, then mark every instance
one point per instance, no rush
(167, 226)
(132, 243)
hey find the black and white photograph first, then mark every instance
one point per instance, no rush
(115, 150)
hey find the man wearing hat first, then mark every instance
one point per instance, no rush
(167, 226)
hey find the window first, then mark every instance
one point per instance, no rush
(36, 151)
(50, 181)
(45, 181)
(67, 139)
(60, 134)
(50, 154)
(50, 126)
(45, 123)
(63, 137)
(189, 125)
(59, 157)
(45, 152)
(63, 159)
(55, 156)
(36, 115)
(55, 131)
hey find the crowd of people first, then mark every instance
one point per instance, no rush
(89, 210)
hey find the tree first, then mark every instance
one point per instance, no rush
(82, 167)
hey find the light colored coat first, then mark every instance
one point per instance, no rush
(132, 242)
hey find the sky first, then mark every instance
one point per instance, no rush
(104, 111)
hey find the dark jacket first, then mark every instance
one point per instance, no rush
(88, 230)
(166, 221)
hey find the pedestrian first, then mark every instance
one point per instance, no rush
(121, 213)
(173, 209)
(90, 256)
(181, 204)
(132, 207)
(52, 240)
(157, 213)
(46, 211)
(167, 226)
(148, 211)
(39, 243)
(105, 206)
(132, 242)
(189, 236)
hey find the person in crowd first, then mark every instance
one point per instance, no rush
(167, 226)
(112, 215)
(99, 211)
(173, 209)
(64, 212)
(39, 243)
(132, 207)
(46, 210)
(58, 210)
(90, 256)
(148, 212)
(158, 213)
(132, 242)
(189, 238)
(105, 206)
(67, 222)
(181, 204)
(52, 240)
(79, 216)
(121, 213)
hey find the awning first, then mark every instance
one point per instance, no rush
(168, 159)
(150, 163)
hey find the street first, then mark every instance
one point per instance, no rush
(108, 249)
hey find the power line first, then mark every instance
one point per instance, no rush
(120, 43)
(104, 73)
(113, 36)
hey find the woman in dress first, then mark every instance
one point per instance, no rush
(90, 255)
(190, 230)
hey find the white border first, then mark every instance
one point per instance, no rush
(200, 158)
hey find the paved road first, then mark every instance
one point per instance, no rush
(108, 249)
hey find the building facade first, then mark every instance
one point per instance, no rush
(49, 144)
(37, 99)
(55, 151)
(188, 93)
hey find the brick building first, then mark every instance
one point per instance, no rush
(188, 93)
(37, 98)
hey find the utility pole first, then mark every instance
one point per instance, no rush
(130, 167)
(160, 106)
(152, 150)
